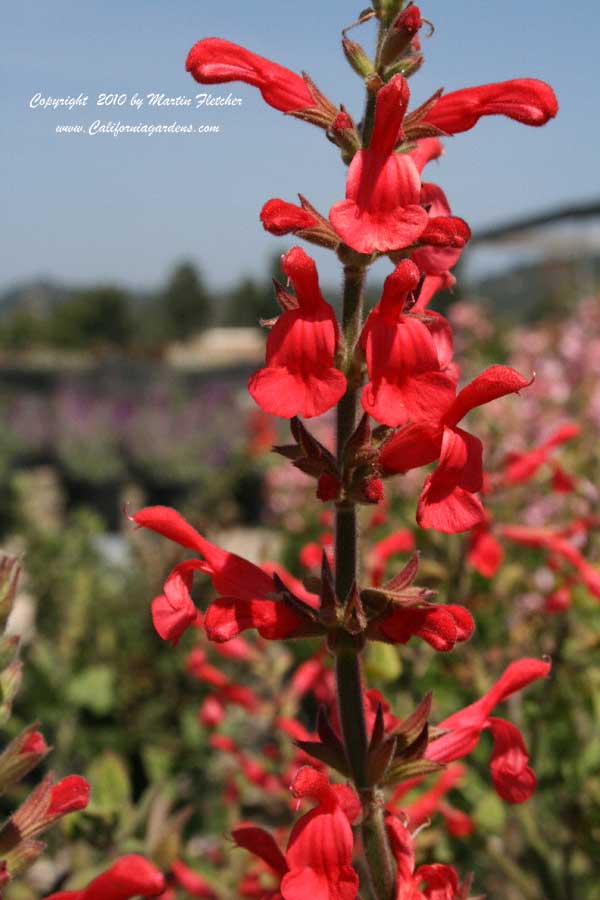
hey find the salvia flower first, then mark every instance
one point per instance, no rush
(448, 502)
(318, 859)
(382, 208)
(526, 100)
(246, 592)
(215, 61)
(130, 876)
(438, 882)
(405, 381)
(513, 778)
(280, 217)
(300, 377)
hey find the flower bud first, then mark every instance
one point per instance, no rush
(10, 682)
(358, 58)
(406, 66)
(400, 34)
(385, 10)
(344, 133)
(328, 487)
(9, 575)
(21, 756)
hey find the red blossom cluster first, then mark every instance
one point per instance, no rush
(398, 365)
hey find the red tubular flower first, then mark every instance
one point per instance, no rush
(525, 100)
(300, 378)
(402, 360)
(441, 882)
(455, 233)
(131, 876)
(558, 545)
(485, 551)
(432, 801)
(513, 779)
(318, 859)
(426, 151)
(280, 217)
(520, 467)
(48, 803)
(448, 502)
(192, 882)
(245, 590)
(215, 61)
(442, 627)
(400, 541)
(382, 207)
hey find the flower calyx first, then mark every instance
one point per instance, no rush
(322, 113)
(307, 453)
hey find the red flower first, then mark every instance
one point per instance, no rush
(246, 591)
(318, 859)
(438, 260)
(458, 823)
(408, 613)
(559, 546)
(48, 803)
(130, 876)
(520, 467)
(280, 217)
(382, 207)
(448, 502)
(400, 541)
(485, 551)
(441, 626)
(525, 100)
(215, 61)
(402, 359)
(300, 377)
(441, 882)
(192, 882)
(513, 779)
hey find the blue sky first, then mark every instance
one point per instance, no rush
(82, 208)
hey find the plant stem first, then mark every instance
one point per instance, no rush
(348, 662)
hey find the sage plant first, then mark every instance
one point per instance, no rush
(393, 384)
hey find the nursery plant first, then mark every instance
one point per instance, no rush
(393, 386)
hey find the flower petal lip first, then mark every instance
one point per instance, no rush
(216, 61)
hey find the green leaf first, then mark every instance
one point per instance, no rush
(383, 662)
(109, 782)
(489, 814)
(93, 689)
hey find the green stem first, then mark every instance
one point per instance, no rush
(348, 663)
(352, 713)
(377, 848)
